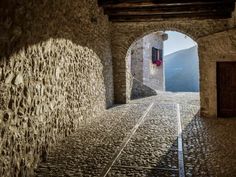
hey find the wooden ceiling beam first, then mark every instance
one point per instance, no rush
(159, 17)
(160, 12)
(133, 10)
(152, 4)
(109, 2)
(210, 8)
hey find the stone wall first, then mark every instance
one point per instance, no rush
(124, 34)
(145, 77)
(55, 75)
(137, 60)
(153, 75)
(129, 76)
(214, 48)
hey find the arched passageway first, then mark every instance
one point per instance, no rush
(125, 34)
(58, 60)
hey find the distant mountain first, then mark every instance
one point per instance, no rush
(182, 71)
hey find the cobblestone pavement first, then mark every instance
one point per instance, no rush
(140, 139)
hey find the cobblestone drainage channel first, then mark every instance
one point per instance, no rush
(133, 131)
(125, 142)
(180, 144)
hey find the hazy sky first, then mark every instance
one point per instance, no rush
(177, 41)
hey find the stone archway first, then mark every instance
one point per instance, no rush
(124, 34)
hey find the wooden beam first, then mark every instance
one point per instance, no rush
(112, 2)
(160, 9)
(152, 4)
(161, 13)
(158, 17)
(136, 10)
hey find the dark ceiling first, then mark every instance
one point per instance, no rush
(151, 10)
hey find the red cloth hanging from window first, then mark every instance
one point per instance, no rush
(158, 62)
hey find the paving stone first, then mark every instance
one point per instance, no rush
(209, 145)
(140, 172)
(89, 151)
(153, 145)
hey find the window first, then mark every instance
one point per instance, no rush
(157, 54)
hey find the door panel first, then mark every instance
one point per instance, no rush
(226, 89)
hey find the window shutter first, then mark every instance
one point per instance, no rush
(154, 55)
(161, 54)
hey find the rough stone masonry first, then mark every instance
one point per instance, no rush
(55, 75)
(56, 71)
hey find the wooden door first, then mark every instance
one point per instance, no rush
(226, 89)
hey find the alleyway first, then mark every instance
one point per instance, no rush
(141, 139)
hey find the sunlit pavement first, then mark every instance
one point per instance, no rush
(142, 139)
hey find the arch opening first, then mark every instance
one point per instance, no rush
(162, 61)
